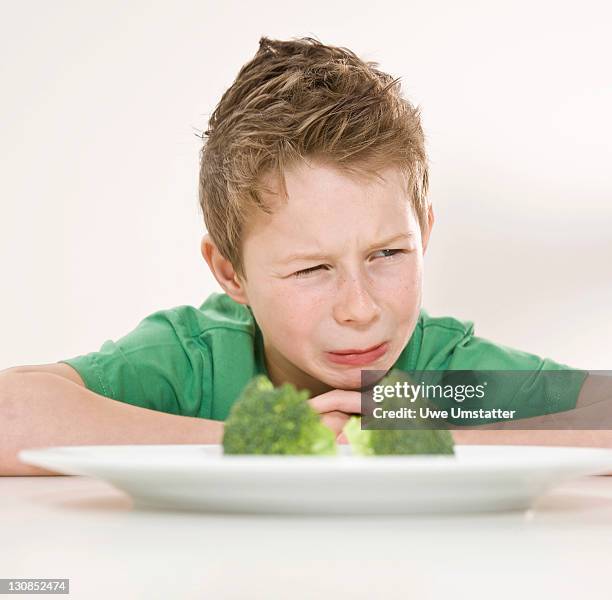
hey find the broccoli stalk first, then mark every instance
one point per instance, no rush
(269, 420)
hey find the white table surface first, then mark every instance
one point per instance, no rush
(86, 530)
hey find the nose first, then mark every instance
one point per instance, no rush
(354, 302)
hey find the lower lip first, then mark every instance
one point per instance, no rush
(363, 358)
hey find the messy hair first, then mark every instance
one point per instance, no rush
(298, 100)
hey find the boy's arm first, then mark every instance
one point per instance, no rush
(593, 409)
(59, 368)
(597, 438)
(40, 408)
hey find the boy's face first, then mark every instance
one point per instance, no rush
(362, 289)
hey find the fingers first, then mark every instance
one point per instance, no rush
(335, 420)
(342, 439)
(337, 400)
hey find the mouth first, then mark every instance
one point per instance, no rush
(354, 351)
(358, 357)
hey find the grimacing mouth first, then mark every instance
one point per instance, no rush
(355, 351)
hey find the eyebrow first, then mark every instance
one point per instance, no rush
(381, 244)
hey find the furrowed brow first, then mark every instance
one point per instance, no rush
(382, 244)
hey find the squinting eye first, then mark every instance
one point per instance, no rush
(389, 256)
(304, 272)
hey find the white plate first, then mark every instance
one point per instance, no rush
(199, 477)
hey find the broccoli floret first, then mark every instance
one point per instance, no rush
(359, 439)
(370, 442)
(269, 420)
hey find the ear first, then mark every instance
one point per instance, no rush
(430, 222)
(223, 271)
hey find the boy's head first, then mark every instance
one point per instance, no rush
(313, 151)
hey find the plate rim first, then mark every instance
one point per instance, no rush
(592, 459)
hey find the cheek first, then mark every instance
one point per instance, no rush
(294, 311)
(402, 292)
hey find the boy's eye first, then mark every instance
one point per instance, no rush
(389, 255)
(305, 272)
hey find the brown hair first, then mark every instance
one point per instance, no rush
(297, 99)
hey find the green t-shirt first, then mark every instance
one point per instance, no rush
(195, 361)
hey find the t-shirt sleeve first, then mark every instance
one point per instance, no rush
(516, 380)
(158, 365)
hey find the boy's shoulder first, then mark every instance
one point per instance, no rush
(186, 360)
(217, 319)
(218, 311)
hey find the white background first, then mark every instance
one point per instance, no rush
(100, 103)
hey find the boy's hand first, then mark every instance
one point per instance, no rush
(336, 408)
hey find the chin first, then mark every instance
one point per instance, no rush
(348, 382)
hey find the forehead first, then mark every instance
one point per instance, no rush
(325, 207)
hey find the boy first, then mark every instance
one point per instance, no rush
(313, 186)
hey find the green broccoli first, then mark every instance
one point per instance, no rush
(397, 441)
(370, 442)
(269, 420)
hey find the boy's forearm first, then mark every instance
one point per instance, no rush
(565, 437)
(43, 409)
(593, 409)
(538, 431)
